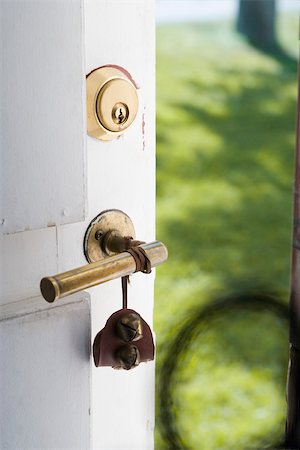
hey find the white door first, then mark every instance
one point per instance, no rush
(54, 180)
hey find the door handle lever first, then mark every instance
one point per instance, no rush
(110, 268)
(107, 240)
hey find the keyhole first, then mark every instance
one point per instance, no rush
(121, 116)
(120, 113)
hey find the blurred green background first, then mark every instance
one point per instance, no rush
(225, 151)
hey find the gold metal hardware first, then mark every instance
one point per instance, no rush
(129, 327)
(128, 357)
(107, 238)
(112, 103)
(102, 233)
(113, 242)
(110, 268)
(120, 113)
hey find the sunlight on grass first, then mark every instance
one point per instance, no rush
(225, 144)
(243, 400)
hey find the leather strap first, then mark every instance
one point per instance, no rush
(142, 263)
(125, 281)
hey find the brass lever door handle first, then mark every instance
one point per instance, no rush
(107, 247)
(110, 268)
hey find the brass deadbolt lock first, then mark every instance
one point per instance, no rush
(112, 103)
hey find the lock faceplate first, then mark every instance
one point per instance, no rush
(112, 103)
(111, 220)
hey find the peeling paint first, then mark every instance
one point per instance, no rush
(143, 129)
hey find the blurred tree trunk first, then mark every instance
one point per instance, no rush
(256, 20)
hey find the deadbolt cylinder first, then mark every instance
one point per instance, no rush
(120, 265)
(112, 102)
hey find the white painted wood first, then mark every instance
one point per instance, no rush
(45, 379)
(25, 259)
(45, 349)
(124, 173)
(42, 116)
(121, 403)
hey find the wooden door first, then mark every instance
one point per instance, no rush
(54, 180)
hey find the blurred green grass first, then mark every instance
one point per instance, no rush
(225, 149)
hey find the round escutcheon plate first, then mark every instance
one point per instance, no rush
(112, 102)
(110, 220)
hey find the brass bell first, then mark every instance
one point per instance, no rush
(123, 344)
(129, 327)
(128, 357)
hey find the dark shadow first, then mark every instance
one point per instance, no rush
(236, 307)
(278, 53)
